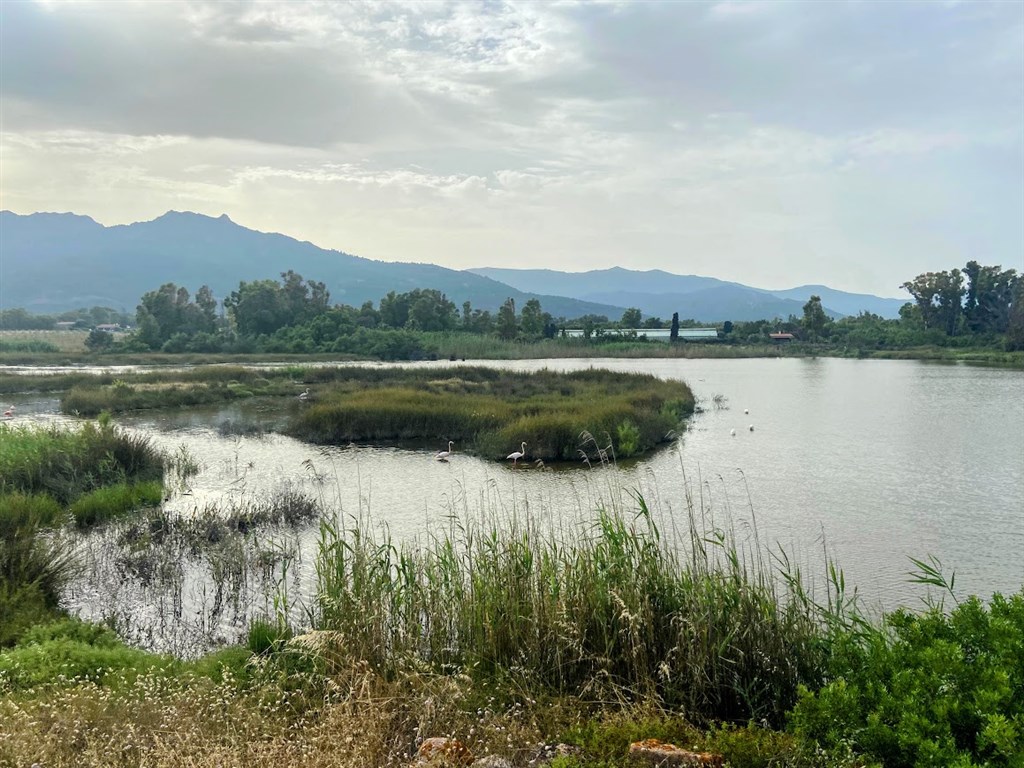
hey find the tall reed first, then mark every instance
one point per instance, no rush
(603, 609)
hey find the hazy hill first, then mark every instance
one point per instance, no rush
(55, 261)
(660, 293)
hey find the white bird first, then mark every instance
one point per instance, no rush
(517, 455)
(751, 427)
(305, 395)
(732, 432)
(443, 455)
(746, 410)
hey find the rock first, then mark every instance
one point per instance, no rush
(440, 751)
(659, 753)
(492, 761)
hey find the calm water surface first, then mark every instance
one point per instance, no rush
(877, 461)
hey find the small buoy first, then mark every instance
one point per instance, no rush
(751, 427)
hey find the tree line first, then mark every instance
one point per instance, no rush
(976, 306)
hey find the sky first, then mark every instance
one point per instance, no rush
(852, 144)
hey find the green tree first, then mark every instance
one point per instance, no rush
(169, 311)
(815, 321)
(631, 318)
(939, 296)
(988, 297)
(508, 325)
(99, 340)
(532, 320)
(1015, 322)
(674, 332)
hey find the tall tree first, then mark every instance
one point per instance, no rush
(815, 321)
(532, 320)
(631, 318)
(508, 325)
(673, 334)
(939, 296)
(988, 298)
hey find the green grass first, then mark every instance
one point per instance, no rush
(114, 501)
(67, 463)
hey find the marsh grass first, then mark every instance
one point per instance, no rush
(67, 463)
(113, 501)
(490, 411)
(605, 609)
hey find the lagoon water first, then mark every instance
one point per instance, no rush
(871, 461)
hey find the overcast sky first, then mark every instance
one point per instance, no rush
(854, 144)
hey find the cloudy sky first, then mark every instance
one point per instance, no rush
(855, 144)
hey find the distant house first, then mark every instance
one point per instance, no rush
(781, 338)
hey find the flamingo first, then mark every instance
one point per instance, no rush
(9, 413)
(517, 455)
(305, 395)
(444, 455)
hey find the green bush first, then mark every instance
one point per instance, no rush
(926, 689)
(72, 629)
(64, 661)
(628, 442)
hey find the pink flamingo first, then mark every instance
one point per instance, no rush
(9, 413)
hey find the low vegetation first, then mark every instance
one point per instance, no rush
(47, 477)
(492, 412)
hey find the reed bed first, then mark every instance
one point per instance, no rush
(491, 412)
(606, 610)
(67, 463)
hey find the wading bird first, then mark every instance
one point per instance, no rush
(9, 413)
(305, 395)
(732, 432)
(517, 455)
(443, 455)
(751, 427)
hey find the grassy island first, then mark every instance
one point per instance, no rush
(491, 412)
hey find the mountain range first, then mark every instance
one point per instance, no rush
(708, 299)
(50, 262)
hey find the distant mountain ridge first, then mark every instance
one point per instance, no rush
(55, 261)
(51, 262)
(708, 299)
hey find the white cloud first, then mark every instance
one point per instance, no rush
(770, 142)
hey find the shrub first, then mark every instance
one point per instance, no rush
(928, 689)
(628, 435)
(64, 661)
